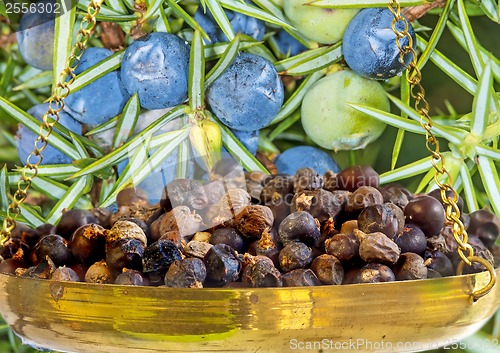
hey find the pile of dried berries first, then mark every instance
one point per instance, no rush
(255, 230)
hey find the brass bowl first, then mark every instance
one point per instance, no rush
(388, 317)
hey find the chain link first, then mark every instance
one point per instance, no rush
(56, 105)
(414, 77)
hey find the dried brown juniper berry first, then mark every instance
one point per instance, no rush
(99, 273)
(410, 266)
(126, 230)
(88, 243)
(363, 197)
(222, 264)
(307, 179)
(377, 247)
(65, 274)
(321, 204)
(328, 269)
(131, 278)
(299, 226)
(157, 259)
(294, 256)
(344, 247)
(186, 273)
(254, 220)
(380, 218)
(53, 246)
(485, 225)
(260, 272)
(300, 278)
(124, 253)
(228, 236)
(438, 262)
(374, 273)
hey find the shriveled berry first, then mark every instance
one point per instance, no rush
(130, 278)
(187, 192)
(72, 220)
(43, 270)
(223, 266)
(99, 273)
(374, 273)
(197, 249)
(356, 176)
(157, 259)
(485, 225)
(476, 267)
(363, 197)
(439, 243)
(180, 219)
(300, 278)
(230, 204)
(55, 247)
(295, 255)
(321, 204)
(141, 223)
(126, 230)
(175, 237)
(280, 208)
(228, 236)
(186, 273)
(344, 247)
(377, 247)
(299, 226)
(124, 253)
(87, 243)
(438, 262)
(278, 187)
(307, 179)
(261, 273)
(254, 220)
(411, 239)
(348, 227)
(328, 269)
(267, 246)
(395, 195)
(427, 213)
(410, 266)
(379, 218)
(65, 274)
(12, 247)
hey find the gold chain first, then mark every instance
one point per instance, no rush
(414, 77)
(56, 105)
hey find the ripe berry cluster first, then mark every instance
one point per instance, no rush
(279, 230)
